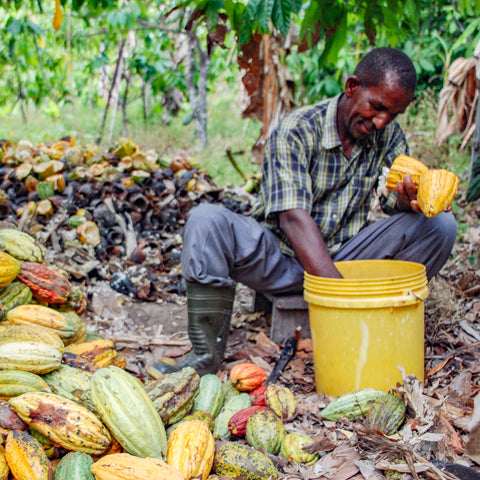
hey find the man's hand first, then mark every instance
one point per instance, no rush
(407, 195)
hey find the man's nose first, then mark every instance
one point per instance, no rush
(381, 119)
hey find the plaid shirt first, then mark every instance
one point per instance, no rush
(304, 167)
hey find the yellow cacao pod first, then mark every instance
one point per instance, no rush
(63, 421)
(31, 333)
(9, 269)
(191, 449)
(4, 470)
(123, 466)
(402, 166)
(35, 357)
(26, 457)
(281, 400)
(436, 190)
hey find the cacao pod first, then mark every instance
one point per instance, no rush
(265, 431)
(100, 351)
(436, 190)
(386, 414)
(210, 395)
(35, 357)
(9, 269)
(258, 395)
(231, 407)
(126, 409)
(79, 361)
(191, 449)
(31, 333)
(173, 394)
(9, 418)
(64, 422)
(281, 400)
(404, 165)
(13, 295)
(26, 457)
(16, 382)
(20, 245)
(123, 466)
(247, 376)
(74, 466)
(4, 470)
(292, 448)
(238, 423)
(46, 283)
(234, 460)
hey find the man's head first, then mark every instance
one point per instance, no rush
(381, 87)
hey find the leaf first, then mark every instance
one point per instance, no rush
(281, 15)
(264, 13)
(35, 27)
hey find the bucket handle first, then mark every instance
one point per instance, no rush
(416, 296)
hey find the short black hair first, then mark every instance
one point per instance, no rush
(373, 67)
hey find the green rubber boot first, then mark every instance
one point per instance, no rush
(209, 311)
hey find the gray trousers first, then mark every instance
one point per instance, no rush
(221, 247)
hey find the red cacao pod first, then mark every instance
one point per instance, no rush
(47, 283)
(247, 376)
(238, 423)
(257, 396)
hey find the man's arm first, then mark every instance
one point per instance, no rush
(307, 243)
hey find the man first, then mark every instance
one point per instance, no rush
(321, 166)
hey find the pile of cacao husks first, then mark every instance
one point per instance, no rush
(438, 435)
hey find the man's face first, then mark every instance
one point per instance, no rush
(372, 108)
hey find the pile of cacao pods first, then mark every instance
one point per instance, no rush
(95, 198)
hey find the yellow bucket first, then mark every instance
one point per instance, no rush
(367, 324)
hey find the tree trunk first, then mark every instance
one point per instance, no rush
(124, 104)
(197, 93)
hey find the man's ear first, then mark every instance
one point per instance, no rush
(352, 85)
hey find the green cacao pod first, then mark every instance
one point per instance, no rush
(210, 395)
(173, 394)
(16, 382)
(35, 357)
(234, 460)
(292, 448)
(126, 409)
(74, 466)
(265, 431)
(386, 414)
(17, 293)
(229, 390)
(281, 400)
(351, 406)
(20, 245)
(72, 383)
(232, 406)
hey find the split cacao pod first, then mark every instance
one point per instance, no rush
(26, 457)
(210, 395)
(64, 422)
(191, 449)
(292, 448)
(386, 414)
(126, 409)
(9, 269)
(173, 394)
(43, 316)
(20, 245)
(47, 283)
(281, 400)
(247, 376)
(404, 165)
(238, 423)
(124, 466)
(436, 191)
(74, 466)
(265, 431)
(234, 460)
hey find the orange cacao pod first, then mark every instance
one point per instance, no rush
(46, 283)
(247, 376)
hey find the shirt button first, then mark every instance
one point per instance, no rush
(334, 216)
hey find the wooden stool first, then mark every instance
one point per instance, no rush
(289, 312)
